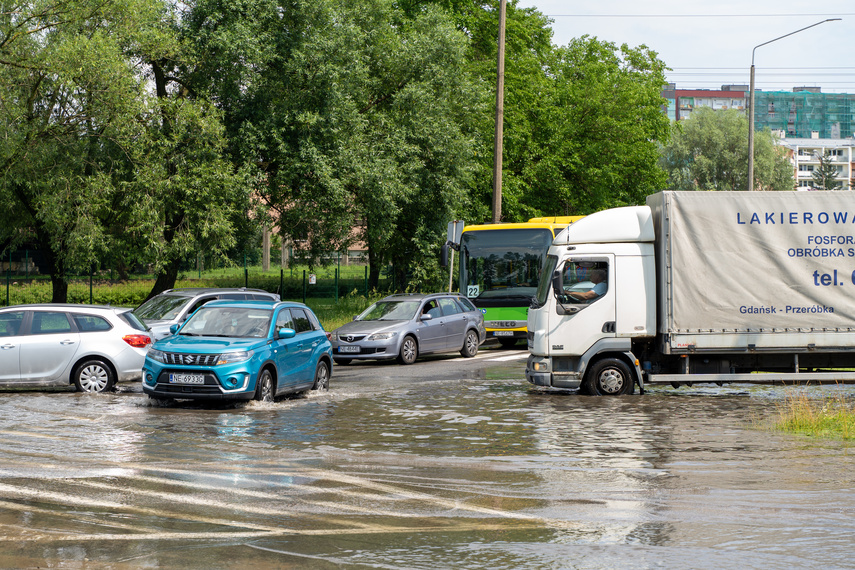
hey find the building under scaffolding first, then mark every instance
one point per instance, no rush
(805, 113)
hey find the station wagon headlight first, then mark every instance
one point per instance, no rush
(383, 336)
(232, 357)
(157, 355)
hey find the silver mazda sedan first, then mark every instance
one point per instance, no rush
(405, 326)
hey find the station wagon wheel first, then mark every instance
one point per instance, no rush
(93, 376)
(470, 344)
(264, 389)
(609, 377)
(409, 351)
(322, 377)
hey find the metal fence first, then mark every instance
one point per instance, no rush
(25, 284)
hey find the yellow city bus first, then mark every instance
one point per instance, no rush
(499, 271)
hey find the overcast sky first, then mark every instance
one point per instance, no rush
(709, 44)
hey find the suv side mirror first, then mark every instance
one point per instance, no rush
(174, 328)
(285, 333)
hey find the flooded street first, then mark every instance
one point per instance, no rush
(448, 463)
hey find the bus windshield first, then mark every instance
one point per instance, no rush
(503, 263)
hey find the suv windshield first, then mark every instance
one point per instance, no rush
(228, 322)
(161, 308)
(390, 311)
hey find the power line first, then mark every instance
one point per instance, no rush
(696, 15)
(764, 67)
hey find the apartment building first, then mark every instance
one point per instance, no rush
(804, 155)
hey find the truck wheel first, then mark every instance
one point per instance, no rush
(609, 377)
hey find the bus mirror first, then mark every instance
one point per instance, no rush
(443, 256)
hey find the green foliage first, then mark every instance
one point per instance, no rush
(359, 118)
(598, 130)
(138, 132)
(709, 151)
(70, 99)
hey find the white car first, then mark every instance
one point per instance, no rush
(91, 347)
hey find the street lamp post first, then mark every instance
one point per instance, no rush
(751, 100)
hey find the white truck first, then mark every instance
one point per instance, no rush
(754, 287)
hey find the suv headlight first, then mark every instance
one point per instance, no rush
(382, 336)
(232, 357)
(157, 355)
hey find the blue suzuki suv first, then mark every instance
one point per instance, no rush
(240, 350)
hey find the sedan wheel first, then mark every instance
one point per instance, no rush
(93, 376)
(265, 389)
(470, 345)
(409, 351)
(322, 377)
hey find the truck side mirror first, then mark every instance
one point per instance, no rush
(557, 284)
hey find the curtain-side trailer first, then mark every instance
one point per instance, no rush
(717, 287)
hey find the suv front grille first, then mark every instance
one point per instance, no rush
(191, 359)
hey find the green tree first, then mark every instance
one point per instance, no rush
(581, 122)
(358, 116)
(825, 177)
(598, 130)
(709, 151)
(195, 196)
(69, 99)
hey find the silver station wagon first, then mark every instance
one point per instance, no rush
(405, 326)
(89, 346)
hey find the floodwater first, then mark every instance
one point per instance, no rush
(481, 472)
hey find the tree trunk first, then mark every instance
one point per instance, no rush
(165, 279)
(373, 269)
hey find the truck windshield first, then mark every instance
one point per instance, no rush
(502, 264)
(545, 281)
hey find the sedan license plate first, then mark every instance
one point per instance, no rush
(186, 379)
(503, 333)
(348, 349)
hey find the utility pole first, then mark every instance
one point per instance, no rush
(500, 117)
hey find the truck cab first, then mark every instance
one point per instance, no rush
(596, 297)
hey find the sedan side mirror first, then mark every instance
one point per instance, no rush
(285, 333)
